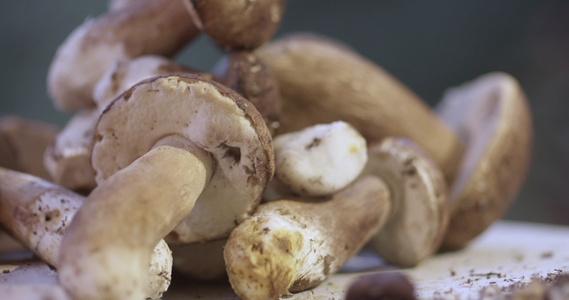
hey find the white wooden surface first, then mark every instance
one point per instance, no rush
(507, 253)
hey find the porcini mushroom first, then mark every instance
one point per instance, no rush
(68, 157)
(145, 27)
(316, 161)
(37, 213)
(237, 25)
(290, 245)
(245, 73)
(322, 81)
(22, 144)
(492, 117)
(419, 211)
(123, 74)
(161, 145)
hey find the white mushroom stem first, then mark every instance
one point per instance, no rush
(144, 202)
(37, 213)
(419, 215)
(318, 160)
(290, 245)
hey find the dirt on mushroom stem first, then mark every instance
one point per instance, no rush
(290, 245)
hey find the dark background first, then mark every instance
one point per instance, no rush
(428, 45)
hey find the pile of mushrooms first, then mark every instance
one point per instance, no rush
(272, 170)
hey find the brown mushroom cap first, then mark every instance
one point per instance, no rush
(419, 213)
(245, 73)
(492, 116)
(237, 24)
(213, 118)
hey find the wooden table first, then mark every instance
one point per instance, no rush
(508, 253)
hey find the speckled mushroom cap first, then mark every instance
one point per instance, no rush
(419, 215)
(492, 117)
(214, 118)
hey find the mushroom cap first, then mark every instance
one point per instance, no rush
(419, 214)
(211, 116)
(492, 116)
(237, 24)
(68, 158)
(245, 73)
(125, 73)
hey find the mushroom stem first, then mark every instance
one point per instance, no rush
(144, 201)
(291, 245)
(37, 213)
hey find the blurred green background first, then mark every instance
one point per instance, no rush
(428, 45)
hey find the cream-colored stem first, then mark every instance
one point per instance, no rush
(291, 245)
(36, 212)
(106, 249)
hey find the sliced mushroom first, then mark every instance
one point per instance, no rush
(161, 145)
(22, 144)
(37, 213)
(492, 117)
(291, 245)
(316, 161)
(419, 210)
(321, 81)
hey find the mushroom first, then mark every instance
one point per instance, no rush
(245, 73)
(22, 144)
(67, 159)
(238, 25)
(123, 74)
(316, 161)
(38, 213)
(145, 27)
(492, 117)
(289, 245)
(419, 211)
(158, 147)
(381, 285)
(322, 81)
